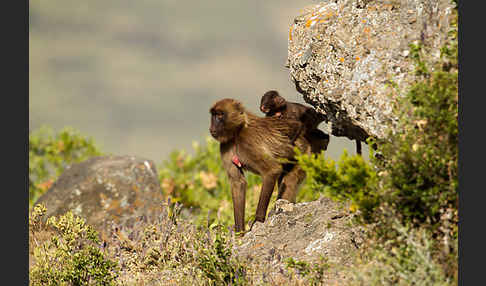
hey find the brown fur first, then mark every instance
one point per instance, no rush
(274, 105)
(261, 145)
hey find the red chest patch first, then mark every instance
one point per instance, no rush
(236, 161)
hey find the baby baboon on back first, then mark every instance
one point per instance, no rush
(274, 105)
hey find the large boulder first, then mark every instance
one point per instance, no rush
(106, 191)
(345, 56)
(305, 232)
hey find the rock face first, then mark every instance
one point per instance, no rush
(344, 56)
(106, 190)
(305, 232)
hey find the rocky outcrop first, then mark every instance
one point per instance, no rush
(106, 190)
(305, 232)
(345, 55)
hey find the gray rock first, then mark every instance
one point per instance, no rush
(305, 232)
(107, 191)
(344, 54)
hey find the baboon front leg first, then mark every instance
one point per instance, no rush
(238, 194)
(290, 184)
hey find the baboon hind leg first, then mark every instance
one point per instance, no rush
(318, 140)
(290, 183)
(358, 147)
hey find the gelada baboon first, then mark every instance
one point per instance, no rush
(257, 144)
(274, 105)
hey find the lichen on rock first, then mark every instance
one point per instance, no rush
(306, 232)
(351, 58)
(106, 190)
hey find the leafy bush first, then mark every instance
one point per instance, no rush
(50, 154)
(71, 256)
(421, 165)
(409, 259)
(352, 180)
(420, 170)
(217, 261)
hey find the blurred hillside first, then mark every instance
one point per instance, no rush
(140, 76)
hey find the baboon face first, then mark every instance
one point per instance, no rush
(217, 122)
(271, 101)
(227, 117)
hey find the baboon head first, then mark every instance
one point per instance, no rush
(227, 118)
(272, 102)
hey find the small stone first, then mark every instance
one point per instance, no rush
(283, 206)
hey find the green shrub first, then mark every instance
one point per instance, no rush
(419, 173)
(353, 180)
(71, 256)
(49, 154)
(313, 272)
(217, 262)
(408, 259)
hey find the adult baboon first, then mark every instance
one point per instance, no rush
(259, 145)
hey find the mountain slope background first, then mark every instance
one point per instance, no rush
(140, 77)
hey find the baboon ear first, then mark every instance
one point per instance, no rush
(239, 107)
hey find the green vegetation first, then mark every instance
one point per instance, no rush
(352, 180)
(410, 259)
(314, 273)
(417, 178)
(66, 251)
(195, 253)
(71, 256)
(217, 261)
(50, 154)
